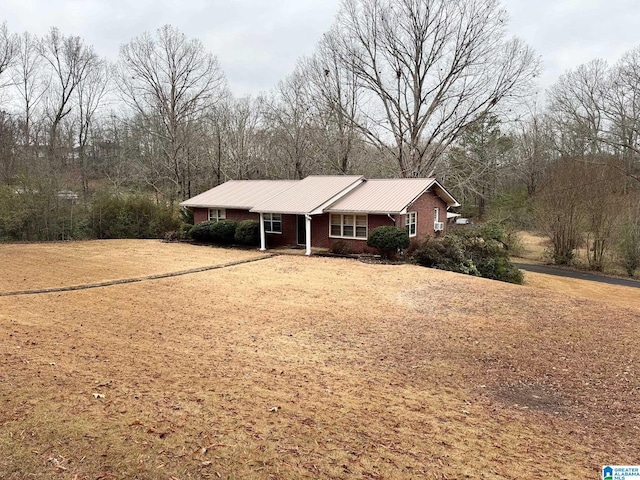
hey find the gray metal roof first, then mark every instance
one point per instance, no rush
(310, 195)
(390, 196)
(241, 194)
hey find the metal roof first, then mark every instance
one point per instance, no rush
(310, 195)
(392, 195)
(241, 194)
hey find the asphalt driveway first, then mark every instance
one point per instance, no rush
(592, 277)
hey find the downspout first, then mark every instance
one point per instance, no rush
(307, 227)
(392, 219)
(263, 237)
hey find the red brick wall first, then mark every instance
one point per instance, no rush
(321, 237)
(424, 206)
(202, 215)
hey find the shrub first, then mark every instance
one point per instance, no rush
(184, 230)
(340, 247)
(131, 216)
(201, 232)
(445, 253)
(471, 253)
(223, 232)
(388, 240)
(629, 248)
(248, 233)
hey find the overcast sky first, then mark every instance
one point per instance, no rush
(258, 42)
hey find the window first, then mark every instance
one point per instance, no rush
(272, 223)
(436, 215)
(215, 215)
(412, 223)
(348, 225)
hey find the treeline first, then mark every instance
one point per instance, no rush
(394, 88)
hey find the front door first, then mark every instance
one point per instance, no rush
(302, 230)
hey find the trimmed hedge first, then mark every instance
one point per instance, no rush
(220, 233)
(248, 233)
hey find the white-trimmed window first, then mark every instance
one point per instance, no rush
(412, 223)
(272, 223)
(348, 225)
(217, 214)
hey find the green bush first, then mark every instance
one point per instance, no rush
(248, 233)
(224, 232)
(201, 232)
(445, 253)
(388, 240)
(480, 251)
(131, 216)
(220, 233)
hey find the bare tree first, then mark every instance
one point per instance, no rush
(290, 117)
(533, 143)
(8, 50)
(335, 93)
(30, 83)
(621, 108)
(69, 61)
(559, 212)
(172, 79)
(90, 94)
(430, 68)
(575, 105)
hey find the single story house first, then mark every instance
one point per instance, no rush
(321, 210)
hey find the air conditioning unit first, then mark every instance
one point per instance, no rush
(438, 226)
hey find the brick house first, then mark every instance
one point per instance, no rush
(321, 210)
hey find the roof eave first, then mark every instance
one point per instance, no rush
(228, 207)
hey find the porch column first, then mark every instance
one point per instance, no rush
(308, 234)
(263, 237)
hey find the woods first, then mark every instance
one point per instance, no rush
(392, 89)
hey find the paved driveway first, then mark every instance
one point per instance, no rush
(592, 277)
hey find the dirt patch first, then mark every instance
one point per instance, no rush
(532, 396)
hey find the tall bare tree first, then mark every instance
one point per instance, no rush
(335, 93)
(174, 80)
(621, 108)
(430, 68)
(69, 61)
(30, 83)
(575, 105)
(90, 94)
(290, 116)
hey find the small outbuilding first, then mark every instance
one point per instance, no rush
(320, 210)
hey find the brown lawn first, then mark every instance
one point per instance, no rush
(293, 367)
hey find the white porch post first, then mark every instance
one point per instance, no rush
(308, 234)
(263, 237)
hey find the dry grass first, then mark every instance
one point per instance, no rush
(602, 292)
(534, 247)
(296, 367)
(43, 265)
